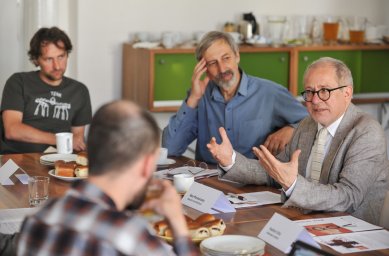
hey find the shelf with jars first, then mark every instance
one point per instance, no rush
(159, 79)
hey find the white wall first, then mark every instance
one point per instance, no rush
(11, 39)
(104, 25)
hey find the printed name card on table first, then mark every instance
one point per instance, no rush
(7, 170)
(206, 199)
(281, 233)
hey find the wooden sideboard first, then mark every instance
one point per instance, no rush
(159, 78)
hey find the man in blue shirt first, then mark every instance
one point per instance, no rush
(252, 110)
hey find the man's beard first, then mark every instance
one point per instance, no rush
(54, 78)
(225, 84)
(139, 198)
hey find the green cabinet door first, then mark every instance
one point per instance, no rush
(269, 65)
(172, 75)
(375, 71)
(351, 58)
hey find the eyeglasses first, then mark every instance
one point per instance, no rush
(190, 168)
(323, 94)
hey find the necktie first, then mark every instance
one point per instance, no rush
(318, 154)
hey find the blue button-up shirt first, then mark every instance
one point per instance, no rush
(259, 108)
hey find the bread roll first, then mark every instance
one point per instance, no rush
(216, 227)
(206, 217)
(64, 169)
(82, 158)
(199, 233)
(168, 232)
(160, 227)
(81, 171)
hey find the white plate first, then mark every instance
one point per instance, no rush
(232, 244)
(51, 158)
(167, 162)
(52, 173)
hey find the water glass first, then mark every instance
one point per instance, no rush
(38, 190)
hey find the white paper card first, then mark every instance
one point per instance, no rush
(281, 233)
(206, 199)
(7, 181)
(6, 171)
(23, 178)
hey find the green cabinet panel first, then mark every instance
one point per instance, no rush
(351, 58)
(172, 75)
(273, 66)
(375, 71)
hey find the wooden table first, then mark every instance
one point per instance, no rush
(246, 221)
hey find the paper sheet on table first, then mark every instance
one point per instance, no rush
(356, 242)
(342, 224)
(254, 199)
(197, 172)
(6, 171)
(11, 219)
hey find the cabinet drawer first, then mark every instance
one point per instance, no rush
(269, 65)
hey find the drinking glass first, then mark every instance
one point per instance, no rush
(357, 26)
(38, 190)
(330, 29)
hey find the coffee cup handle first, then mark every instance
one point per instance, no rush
(68, 143)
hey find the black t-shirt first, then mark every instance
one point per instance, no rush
(48, 108)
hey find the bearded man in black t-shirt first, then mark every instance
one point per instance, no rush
(38, 104)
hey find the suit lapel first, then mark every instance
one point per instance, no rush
(306, 139)
(344, 127)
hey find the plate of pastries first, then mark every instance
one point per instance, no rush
(71, 170)
(204, 226)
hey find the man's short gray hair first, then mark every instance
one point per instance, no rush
(211, 37)
(343, 73)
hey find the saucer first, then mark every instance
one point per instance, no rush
(50, 159)
(167, 162)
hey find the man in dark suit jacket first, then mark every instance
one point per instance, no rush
(353, 176)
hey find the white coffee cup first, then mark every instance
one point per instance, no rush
(182, 182)
(162, 155)
(64, 142)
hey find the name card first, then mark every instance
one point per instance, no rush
(206, 199)
(6, 171)
(281, 233)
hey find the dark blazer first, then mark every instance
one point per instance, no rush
(355, 171)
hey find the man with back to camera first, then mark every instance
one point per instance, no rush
(336, 160)
(90, 219)
(37, 104)
(253, 110)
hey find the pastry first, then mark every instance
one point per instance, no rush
(82, 158)
(81, 171)
(64, 169)
(216, 227)
(199, 233)
(206, 217)
(160, 227)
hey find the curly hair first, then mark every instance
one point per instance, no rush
(45, 36)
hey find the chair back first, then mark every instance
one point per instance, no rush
(384, 219)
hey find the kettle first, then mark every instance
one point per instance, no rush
(249, 17)
(246, 30)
